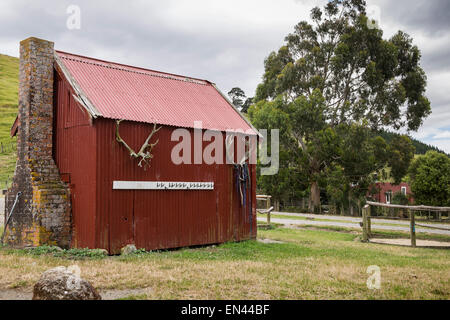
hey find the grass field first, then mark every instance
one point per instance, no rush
(9, 86)
(310, 264)
(9, 80)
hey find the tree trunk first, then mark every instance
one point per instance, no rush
(276, 205)
(350, 204)
(314, 198)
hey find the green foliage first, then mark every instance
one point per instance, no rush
(332, 84)
(400, 153)
(237, 96)
(430, 179)
(239, 100)
(38, 251)
(248, 102)
(420, 147)
(399, 198)
(74, 253)
(360, 75)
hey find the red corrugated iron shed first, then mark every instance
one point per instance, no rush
(88, 95)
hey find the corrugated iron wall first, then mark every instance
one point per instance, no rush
(158, 219)
(74, 151)
(91, 159)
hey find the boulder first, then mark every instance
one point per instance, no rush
(104, 252)
(61, 283)
(128, 249)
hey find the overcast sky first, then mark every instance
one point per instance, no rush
(222, 41)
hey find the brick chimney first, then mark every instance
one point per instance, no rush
(42, 214)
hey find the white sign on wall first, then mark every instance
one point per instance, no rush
(162, 185)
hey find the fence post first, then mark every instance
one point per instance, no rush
(365, 236)
(369, 221)
(268, 212)
(412, 226)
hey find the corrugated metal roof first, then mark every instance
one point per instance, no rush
(130, 93)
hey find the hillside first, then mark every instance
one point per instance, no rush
(9, 87)
(421, 148)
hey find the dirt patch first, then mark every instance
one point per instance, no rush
(15, 294)
(269, 241)
(407, 242)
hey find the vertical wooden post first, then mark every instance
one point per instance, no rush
(268, 212)
(412, 226)
(365, 236)
(369, 222)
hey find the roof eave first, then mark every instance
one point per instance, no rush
(15, 127)
(80, 96)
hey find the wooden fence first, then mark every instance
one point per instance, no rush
(7, 147)
(268, 209)
(367, 217)
(5, 183)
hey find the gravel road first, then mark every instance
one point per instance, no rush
(352, 222)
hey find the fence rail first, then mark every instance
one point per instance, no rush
(416, 208)
(366, 213)
(5, 184)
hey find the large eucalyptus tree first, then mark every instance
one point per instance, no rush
(339, 70)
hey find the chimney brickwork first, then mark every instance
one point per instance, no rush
(42, 214)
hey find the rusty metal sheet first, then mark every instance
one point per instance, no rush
(158, 219)
(90, 159)
(74, 151)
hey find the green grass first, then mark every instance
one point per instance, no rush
(72, 254)
(134, 297)
(9, 80)
(380, 233)
(309, 264)
(9, 87)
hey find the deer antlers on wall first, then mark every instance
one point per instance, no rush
(146, 149)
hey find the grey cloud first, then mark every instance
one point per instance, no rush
(225, 47)
(430, 16)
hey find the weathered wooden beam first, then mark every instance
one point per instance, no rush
(365, 236)
(262, 196)
(379, 204)
(412, 226)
